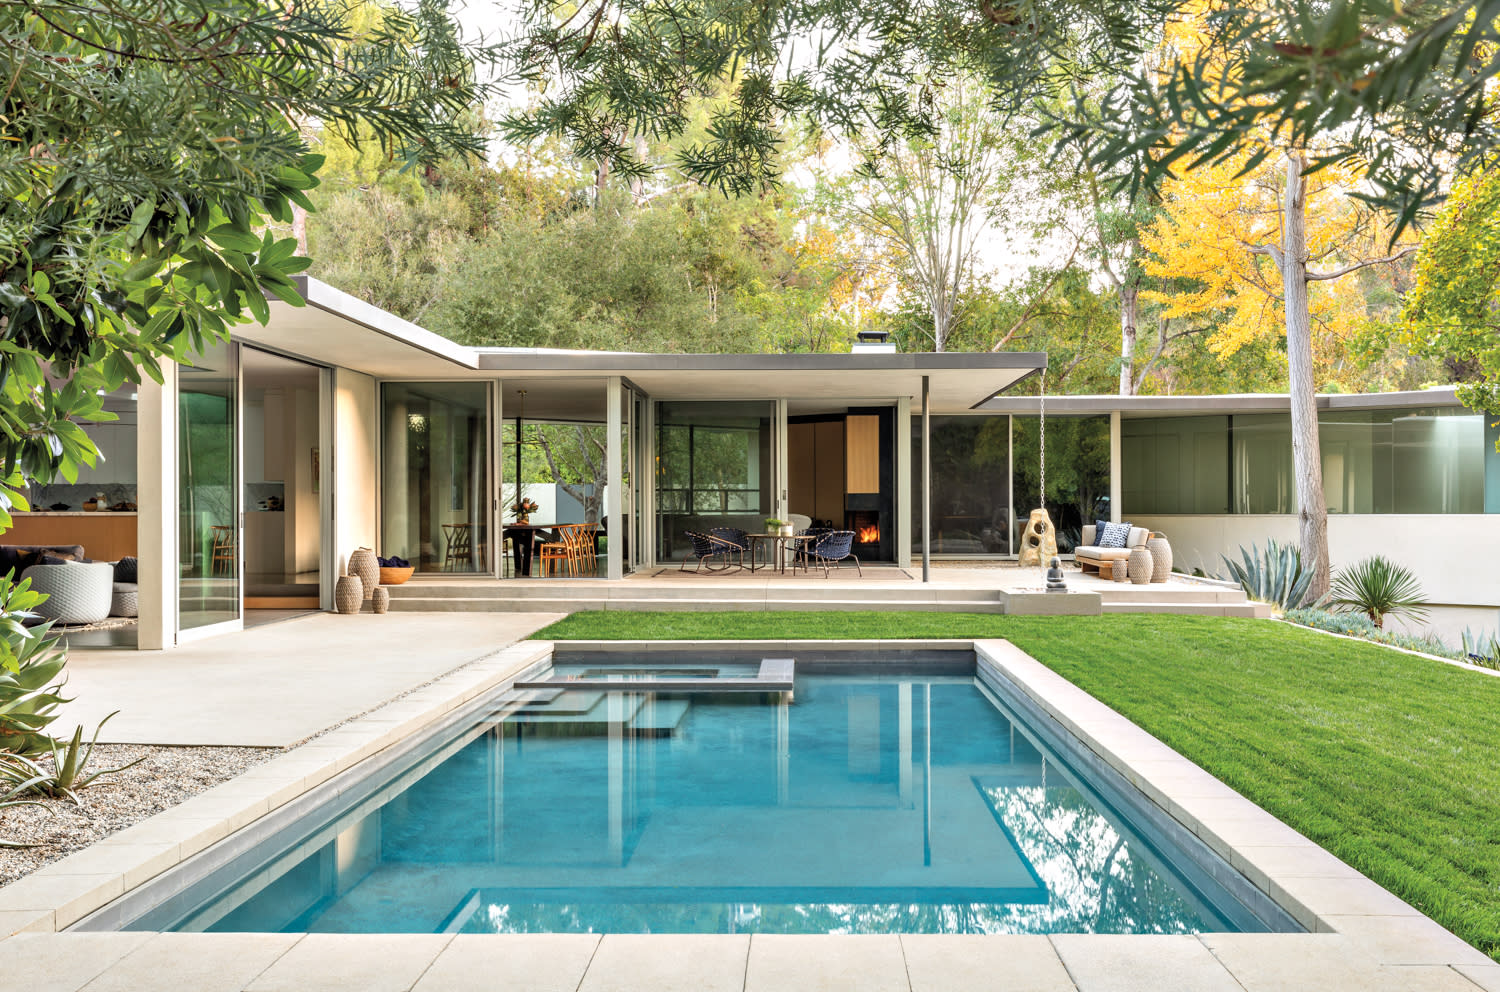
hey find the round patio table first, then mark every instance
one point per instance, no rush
(777, 557)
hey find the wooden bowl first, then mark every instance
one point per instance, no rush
(395, 576)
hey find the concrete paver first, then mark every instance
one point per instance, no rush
(341, 962)
(667, 963)
(195, 962)
(1133, 963)
(1270, 962)
(61, 962)
(840, 963)
(977, 963)
(275, 685)
(540, 962)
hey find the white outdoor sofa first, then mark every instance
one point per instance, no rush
(1092, 558)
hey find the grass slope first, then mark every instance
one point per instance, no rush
(1389, 761)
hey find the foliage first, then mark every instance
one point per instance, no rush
(70, 764)
(145, 145)
(1359, 625)
(1481, 648)
(1276, 577)
(1338, 739)
(1377, 587)
(31, 694)
(1450, 312)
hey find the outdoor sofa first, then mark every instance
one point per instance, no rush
(1093, 558)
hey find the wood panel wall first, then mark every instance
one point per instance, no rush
(862, 454)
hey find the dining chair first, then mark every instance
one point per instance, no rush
(222, 554)
(459, 547)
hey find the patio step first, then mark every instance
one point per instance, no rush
(533, 604)
(1244, 608)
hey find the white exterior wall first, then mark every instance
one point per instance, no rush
(156, 495)
(1448, 553)
(356, 464)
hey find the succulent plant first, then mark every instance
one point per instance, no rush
(1378, 587)
(1276, 577)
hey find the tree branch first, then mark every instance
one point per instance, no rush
(1271, 250)
(1336, 273)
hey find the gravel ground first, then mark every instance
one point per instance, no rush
(166, 777)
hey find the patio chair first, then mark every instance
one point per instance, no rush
(832, 549)
(712, 553)
(562, 553)
(734, 536)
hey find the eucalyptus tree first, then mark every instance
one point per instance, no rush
(144, 146)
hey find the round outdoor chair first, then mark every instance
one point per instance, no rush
(832, 549)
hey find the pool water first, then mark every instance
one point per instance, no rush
(865, 804)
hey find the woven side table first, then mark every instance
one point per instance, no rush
(1119, 569)
(382, 599)
(1140, 566)
(1161, 557)
(348, 594)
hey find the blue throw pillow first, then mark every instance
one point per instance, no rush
(1114, 535)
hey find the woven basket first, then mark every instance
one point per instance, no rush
(363, 563)
(348, 594)
(1140, 566)
(382, 599)
(395, 576)
(1161, 557)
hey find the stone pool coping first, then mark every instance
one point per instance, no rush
(1361, 936)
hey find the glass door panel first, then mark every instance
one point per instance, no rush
(209, 538)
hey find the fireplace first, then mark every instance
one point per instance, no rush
(869, 516)
(866, 527)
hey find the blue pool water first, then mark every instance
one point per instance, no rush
(867, 804)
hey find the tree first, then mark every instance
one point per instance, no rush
(1451, 311)
(1218, 223)
(146, 145)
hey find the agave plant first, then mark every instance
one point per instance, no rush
(1379, 587)
(1276, 577)
(70, 762)
(1481, 648)
(30, 696)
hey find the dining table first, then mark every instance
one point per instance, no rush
(777, 557)
(524, 538)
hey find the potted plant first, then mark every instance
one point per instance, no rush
(775, 525)
(523, 508)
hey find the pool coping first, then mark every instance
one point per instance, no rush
(1353, 922)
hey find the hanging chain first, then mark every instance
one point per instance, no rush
(1042, 441)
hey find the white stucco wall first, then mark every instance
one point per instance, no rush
(1450, 553)
(356, 436)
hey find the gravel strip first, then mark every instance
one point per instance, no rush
(167, 776)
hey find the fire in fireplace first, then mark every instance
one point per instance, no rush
(866, 527)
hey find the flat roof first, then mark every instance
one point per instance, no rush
(1224, 403)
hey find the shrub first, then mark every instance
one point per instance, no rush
(1481, 649)
(1379, 587)
(1359, 625)
(1276, 577)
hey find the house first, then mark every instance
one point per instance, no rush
(257, 470)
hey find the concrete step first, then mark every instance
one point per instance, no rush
(530, 604)
(1129, 593)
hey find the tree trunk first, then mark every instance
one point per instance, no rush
(1129, 312)
(1307, 459)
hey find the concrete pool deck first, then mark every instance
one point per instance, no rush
(1362, 937)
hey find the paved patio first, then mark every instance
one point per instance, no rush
(276, 685)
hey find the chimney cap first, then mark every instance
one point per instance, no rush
(872, 337)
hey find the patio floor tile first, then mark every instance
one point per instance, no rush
(195, 962)
(541, 962)
(1133, 963)
(1272, 962)
(61, 962)
(667, 963)
(797, 963)
(974, 963)
(329, 962)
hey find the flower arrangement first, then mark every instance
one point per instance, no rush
(524, 508)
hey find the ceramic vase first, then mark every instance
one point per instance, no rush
(364, 564)
(348, 594)
(382, 599)
(1161, 557)
(1140, 566)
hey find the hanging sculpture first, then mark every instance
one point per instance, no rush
(1039, 540)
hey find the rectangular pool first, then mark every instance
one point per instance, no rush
(881, 799)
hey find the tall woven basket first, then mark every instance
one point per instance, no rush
(363, 563)
(348, 594)
(1161, 557)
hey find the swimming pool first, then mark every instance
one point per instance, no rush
(916, 797)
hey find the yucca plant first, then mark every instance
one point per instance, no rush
(1276, 577)
(1379, 587)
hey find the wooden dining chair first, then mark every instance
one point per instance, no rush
(459, 547)
(221, 557)
(561, 553)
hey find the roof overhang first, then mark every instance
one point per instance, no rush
(1186, 406)
(957, 382)
(337, 329)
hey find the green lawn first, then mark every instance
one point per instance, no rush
(1391, 762)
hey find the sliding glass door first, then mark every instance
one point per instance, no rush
(209, 531)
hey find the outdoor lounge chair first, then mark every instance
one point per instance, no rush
(734, 536)
(832, 549)
(713, 554)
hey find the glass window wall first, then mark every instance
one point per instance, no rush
(1077, 474)
(1174, 465)
(208, 504)
(435, 491)
(971, 507)
(713, 469)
